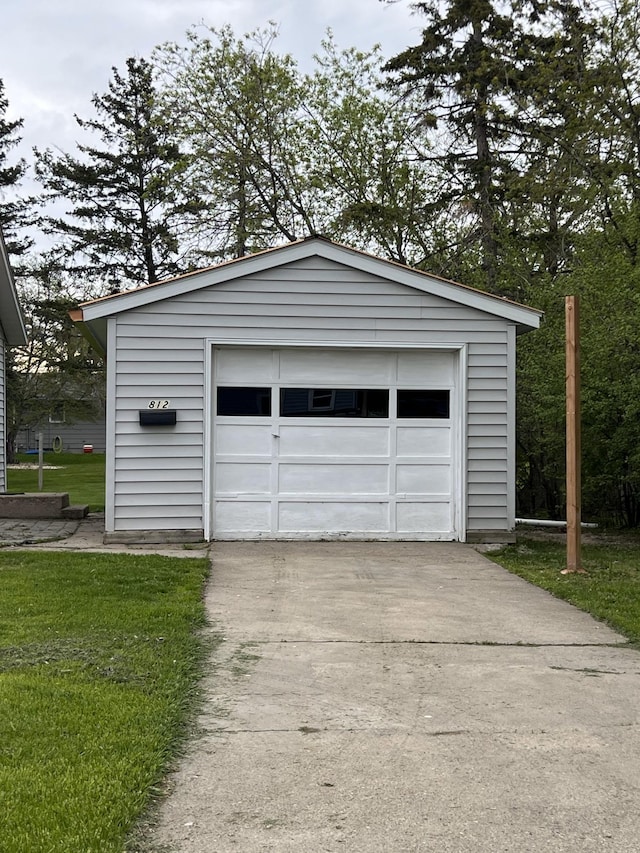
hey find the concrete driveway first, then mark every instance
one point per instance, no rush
(396, 697)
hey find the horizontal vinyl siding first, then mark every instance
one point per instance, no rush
(159, 471)
(3, 417)
(487, 436)
(73, 436)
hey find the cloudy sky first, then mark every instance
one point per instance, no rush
(57, 53)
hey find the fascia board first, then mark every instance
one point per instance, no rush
(95, 334)
(196, 281)
(10, 311)
(511, 311)
(450, 290)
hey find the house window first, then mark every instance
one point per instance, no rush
(423, 404)
(244, 402)
(334, 403)
(56, 415)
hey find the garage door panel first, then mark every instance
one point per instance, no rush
(422, 479)
(243, 516)
(334, 517)
(423, 441)
(336, 366)
(333, 441)
(243, 478)
(417, 517)
(235, 364)
(242, 439)
(312, 473)
(414, 369)
(333, 479)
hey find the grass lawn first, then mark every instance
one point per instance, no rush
(99, 657)
(610, 591)
(80, 474)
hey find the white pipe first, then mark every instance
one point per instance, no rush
(546, 522)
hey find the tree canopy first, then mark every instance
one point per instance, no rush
(501, 150)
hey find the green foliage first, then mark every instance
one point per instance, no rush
(502, 150)
(278, 154)
(608, 285)
(128, 206)
(79, 474)
(98, 659)
(234, 102)
(473, 61)
(610, 591)
(14, 211)
(373, 189)
(56, 368)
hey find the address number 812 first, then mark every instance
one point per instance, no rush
(159, 404)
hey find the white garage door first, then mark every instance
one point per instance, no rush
(312, 443)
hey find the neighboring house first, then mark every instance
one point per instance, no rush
(12, 333)
(58, 434)
(309, 391)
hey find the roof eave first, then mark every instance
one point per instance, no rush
(524, 317)
(89, 331)
(10, 311)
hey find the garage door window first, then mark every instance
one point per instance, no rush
(334, 403)
(245, 402)
(423, 404)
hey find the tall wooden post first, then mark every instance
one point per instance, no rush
(573, 435)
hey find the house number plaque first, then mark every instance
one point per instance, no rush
(159, 404)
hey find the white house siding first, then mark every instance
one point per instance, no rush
(3, 417)
(158, 472)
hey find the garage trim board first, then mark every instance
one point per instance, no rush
(309, 441)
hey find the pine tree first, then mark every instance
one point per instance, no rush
(473, 57)
(127, 207)
(14, 211)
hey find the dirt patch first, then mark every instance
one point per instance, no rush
(590, 536)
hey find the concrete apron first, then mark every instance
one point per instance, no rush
(404, 697)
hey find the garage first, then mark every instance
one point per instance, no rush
(332, 442)
(310, 391)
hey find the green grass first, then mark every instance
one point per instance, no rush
(99, 657)
(80, 474)
(610, 591)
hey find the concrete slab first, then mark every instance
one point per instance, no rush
(84, 535)
(404, 697)
(29, 531)
(399, 591)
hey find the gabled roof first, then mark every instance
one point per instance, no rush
(92, 315)
(10, 313)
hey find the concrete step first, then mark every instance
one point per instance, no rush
(76, 511)
(34, 505)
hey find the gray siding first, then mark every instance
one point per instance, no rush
(158, 472)
(74, 436)
(3, 417)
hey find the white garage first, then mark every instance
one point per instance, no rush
(310, 391)
(310, 442)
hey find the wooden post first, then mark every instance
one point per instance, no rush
(573, 436)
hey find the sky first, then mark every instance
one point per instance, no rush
(55, 54)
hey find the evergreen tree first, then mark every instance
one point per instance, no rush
(473, 60)
(127, 205)
(14, 211)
